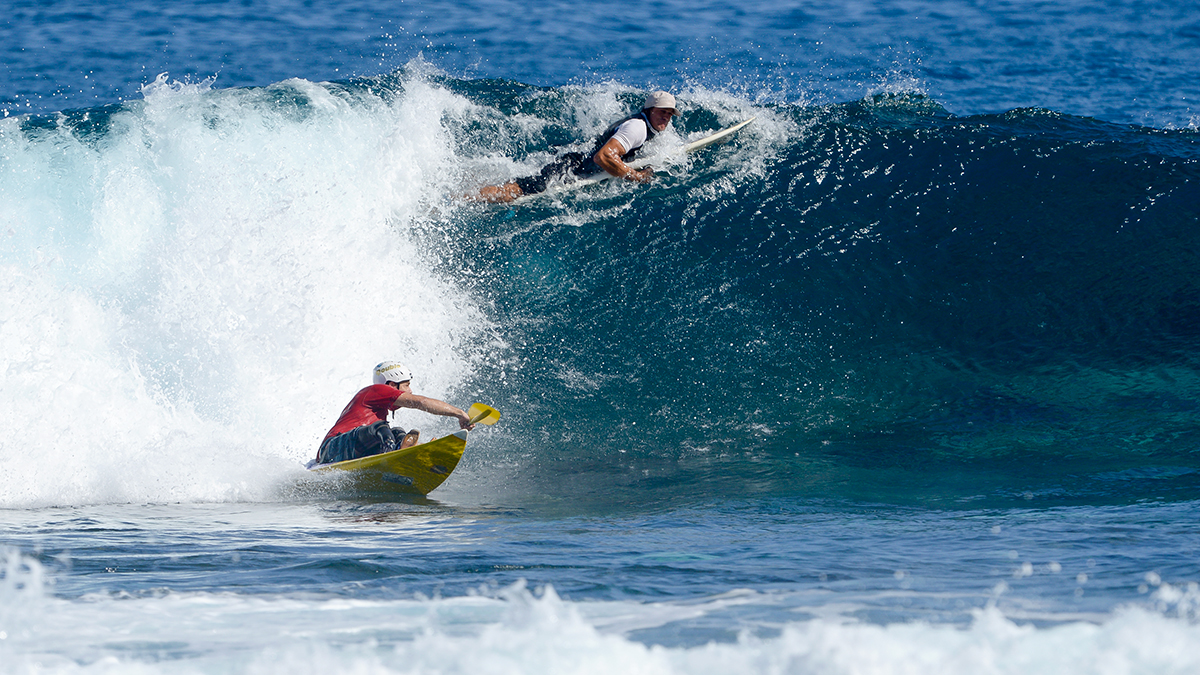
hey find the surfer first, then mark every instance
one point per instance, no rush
(362, 429)
(613, 149)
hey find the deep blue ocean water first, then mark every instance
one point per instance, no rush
(902, 379)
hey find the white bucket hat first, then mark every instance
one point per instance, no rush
(660, 99)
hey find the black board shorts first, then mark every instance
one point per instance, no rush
(563, 169)
(367, 440)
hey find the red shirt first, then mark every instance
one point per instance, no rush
(370, 405)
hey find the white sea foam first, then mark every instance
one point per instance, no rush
(190, 296)
(518, 631)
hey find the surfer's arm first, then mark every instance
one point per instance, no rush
(609, 159)
(434, 407)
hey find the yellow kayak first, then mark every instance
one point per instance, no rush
(416, 470)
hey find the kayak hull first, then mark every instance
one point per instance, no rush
(416, 470)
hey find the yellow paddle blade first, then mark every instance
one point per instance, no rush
(483, 414)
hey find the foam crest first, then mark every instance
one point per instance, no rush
(517, 631)
(193, 292)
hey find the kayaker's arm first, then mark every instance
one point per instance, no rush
(434, 407)
(609, 159)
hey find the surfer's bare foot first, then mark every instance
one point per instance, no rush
(498, 194)
(410, 439)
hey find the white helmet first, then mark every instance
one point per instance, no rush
(391, 371)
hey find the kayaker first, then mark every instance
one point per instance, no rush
(362, 429)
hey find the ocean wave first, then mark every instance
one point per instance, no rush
(871, 298)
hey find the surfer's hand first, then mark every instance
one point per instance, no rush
(644, 176)
(464, 422)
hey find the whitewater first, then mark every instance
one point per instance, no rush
(900, 379)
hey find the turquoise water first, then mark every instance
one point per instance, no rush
(901, 379)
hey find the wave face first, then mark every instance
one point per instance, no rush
(872, 300)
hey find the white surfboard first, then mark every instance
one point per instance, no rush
(714, 138)
(643, 162)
